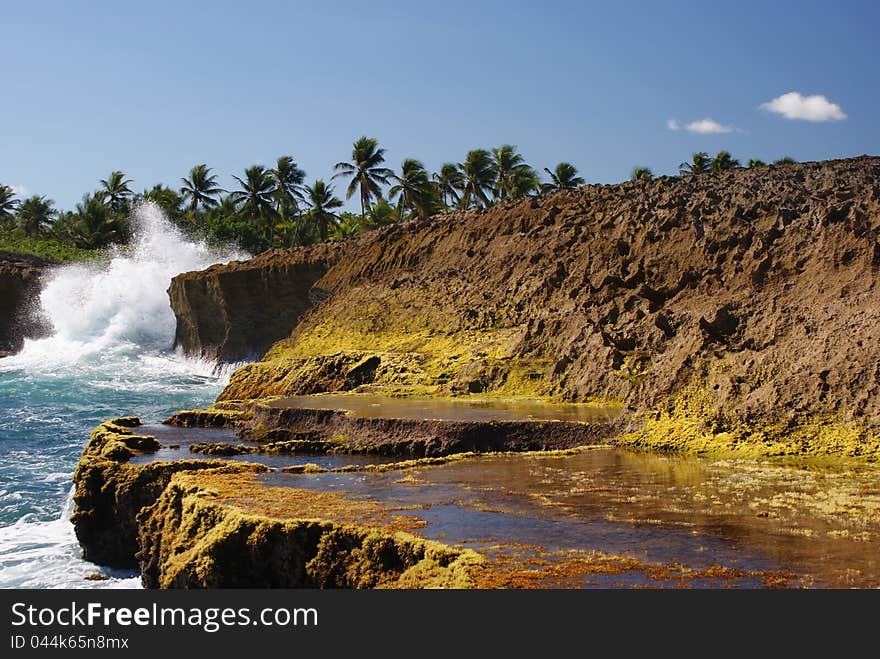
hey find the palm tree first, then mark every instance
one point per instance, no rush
(511, 172)
(450, 181)
(522, 182)
(699, 164)
(116, 190)
(61, 228)
(288, 179)
(563, 177)
(255, 198)
(785, 160)
(94, 224)
(479, 178)
(200, 188)
(723, 161)
(413, 189)
(223, 224)
(381, 214)
(35, 214)
(348, 226)
(165, 198)
(321, 203)
(754, 162)
(226, 209)
(642, 174)
(219, 217)
(365, 171)
(8, 204)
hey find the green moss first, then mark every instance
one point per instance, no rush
(308, 468)
(110, 492)
(216, 416)
(636, 367)
(690, 421)
(412, 348)
(194, 536)
(115, 440)
(416, 463)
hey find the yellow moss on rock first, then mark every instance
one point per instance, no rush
(416, 463)
(689, 421)
(412, 349)
(219, 415)
(198, 535)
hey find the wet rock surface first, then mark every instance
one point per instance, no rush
(20, 283)
(344, 432)
(204, 523)
(590, 516)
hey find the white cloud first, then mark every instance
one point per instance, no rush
(20, 190)
(793, 105)
(707, 126)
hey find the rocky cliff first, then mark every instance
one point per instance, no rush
(19, 288)
(235, 311)
(736, 309)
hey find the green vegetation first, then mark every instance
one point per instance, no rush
(564, 177)
(275, 207)
(199, 189)
(365, 171)
(50, 249)
(8, 204)
(414, 190)
(513, 177)
(322, 203)
(479, 178)
(723, 161)
(642, 174)
(699, 164)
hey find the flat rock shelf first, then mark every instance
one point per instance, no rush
(293, 504)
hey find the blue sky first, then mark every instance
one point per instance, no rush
(153, 88)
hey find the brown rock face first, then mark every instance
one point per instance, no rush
(345, 433)
(758, 285)
(19, 288)
(236, 311)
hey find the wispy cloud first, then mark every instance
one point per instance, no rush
(20, 190)
(794, 105)
(705, 126)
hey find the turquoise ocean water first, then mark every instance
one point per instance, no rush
(110, 354)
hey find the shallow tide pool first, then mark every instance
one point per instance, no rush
(822, 525)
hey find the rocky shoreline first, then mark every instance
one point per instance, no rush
(20, 280)
(725, 311)
(237, 518)
(206, 523)
(730, 314)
